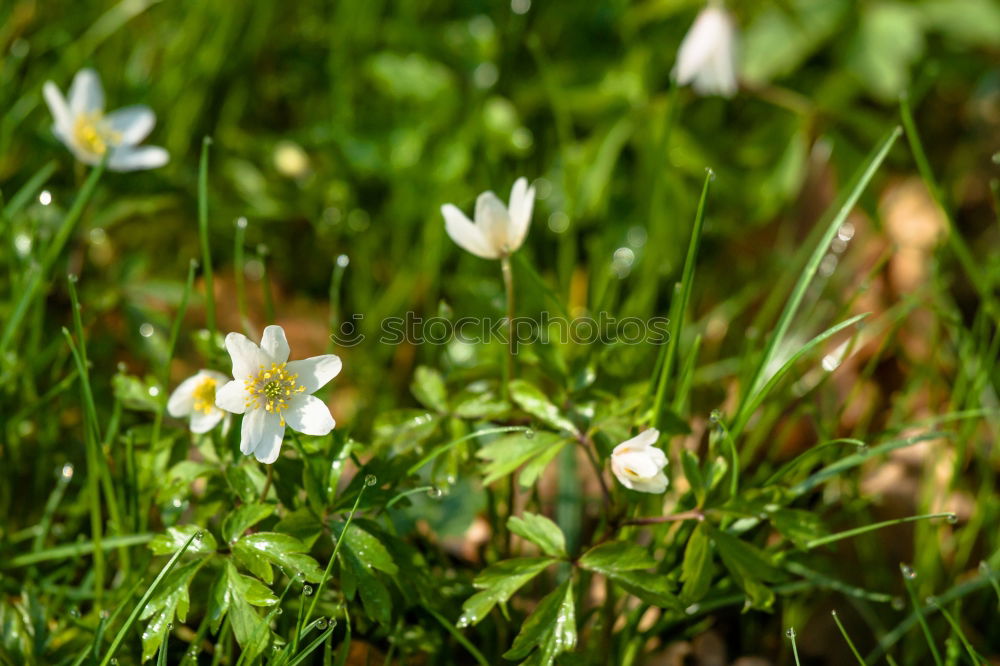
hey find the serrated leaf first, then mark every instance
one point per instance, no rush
(616, 557)
(498, 582)
(540, 531)
(243, 518)
(748, 566)
(534, 467)
(696, 570)
(531, 399)
(175, 538)
(508, 453)
(653, 588)
(236, 594)
(171, 600)
(375, 596)
(283, 550)
(428, 388)
(551, 628)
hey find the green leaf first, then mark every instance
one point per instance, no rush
(171, 600)
(540, 531)
(301, 524)
(508, 453)
(531, 399)
(498, 582)
(653, 588)
(405, 428)
(692, 472)
(242, 592)
(375, 596)
(281, 549)
(176, 537)
(428, 387)
(135, 393)
(615, 557)
(480, 406)
(243, 518)
(534, 467)
(696, 570)
(797, 525)
(551, 628)
(368, 548)
(748, 566)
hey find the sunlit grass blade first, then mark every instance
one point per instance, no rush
(309, 649)
(206, 248)
(847, 534)
(239, 275)
(39, 276)
(809, 454)
(777, 336)
(679, 304)
(137, 610)
(850, 643)
(795, 649)
(462, 640)
(73, 550)
(336, 280)
(987, 571)
(974, 656)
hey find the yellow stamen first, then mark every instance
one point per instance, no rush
(269, 388)
(92, 133)
(204, 395)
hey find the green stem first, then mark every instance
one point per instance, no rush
(508, 284)
(846, 534)
(238, 272)
(206, 252)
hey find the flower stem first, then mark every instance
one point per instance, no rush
(588, 445)
(267, 484)
(206, 251)
(508, 283)
(693, 514)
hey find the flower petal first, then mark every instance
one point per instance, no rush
(313, 373)
(640, 441)
(275, 344)
(85, 93)
(522, 201)
(494, 223)
(131, 123)
(309, 415)
(181, 401)
(232, 397)
(638, 464)
(61, 115)
(202, 422)
(130, 158)
(465, 234)
(247, 356)
(252, 430)
(270, 441)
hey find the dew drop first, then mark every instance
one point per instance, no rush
(170, 626)
(45, 197)
(790, 633)
(984, 568)
(898, 603)
(434, 492)
(833, 613)
(241, 222)
(908, 571)
(529, 434)
(279, 611)
(66, 472)
(307, 590)
(321, 624)
(146, 330)
(114, 661)
(463, 621)
(692, 609)
(199, 535)
(952, 519)
(74, 613)
(343, 260)
(370, 480)
(710, 173)
(931, 601)
(715, 416)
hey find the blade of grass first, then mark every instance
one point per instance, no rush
(239, 240)
(908, 576)
(309, 649)
(678, 306)
(137, 610)
(777, 336)
(847, 534)
(70, 551)
(850, 644)
(974, 656)
(795, 650)
(206, 249)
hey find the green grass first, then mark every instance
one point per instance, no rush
(827, 397)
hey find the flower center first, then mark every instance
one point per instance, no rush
(92, 134)
(204, 395)
(272, 388)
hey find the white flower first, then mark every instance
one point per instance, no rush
(83, 127)
(639, 465)
(707, 57)
(498, 230)
(272, 392)
(195, 397)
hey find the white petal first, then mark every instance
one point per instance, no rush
(638, 464)
(522, 201)
(252, 430)
(181, 401)
(640, 441)
(247, 357)
(232, 397)
(494, 222)
(61, 115)
(131, 123)
(309, 415)
(465, 234)
(315, 372)
(707, 54)
(131, 158)
(202, 422)
(275, 344)
(270, 441)
(85, 93)
(656, 484)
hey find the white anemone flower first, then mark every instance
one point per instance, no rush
(498, 230)
(90, 134)
(272, 392)
(707, 57)
(195, 398)
(639, 465)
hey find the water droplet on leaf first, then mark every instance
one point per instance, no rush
(307, 590)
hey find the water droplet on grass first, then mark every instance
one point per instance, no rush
(66, 473)
(529, 434)
(371, 480)
(952, 518)
(790, 633)
(908, 571)
(435, 493)
(307, 590)
(321, 624)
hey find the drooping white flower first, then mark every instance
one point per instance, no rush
(272, 392)
(498, 229)
(639, 465)
(90, 134)
(195, 398)
(707, 57)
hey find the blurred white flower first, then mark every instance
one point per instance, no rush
(90, 134)
(195, 398)
(639, 465)
(498, 230)
(707, 57)
(272, 392)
